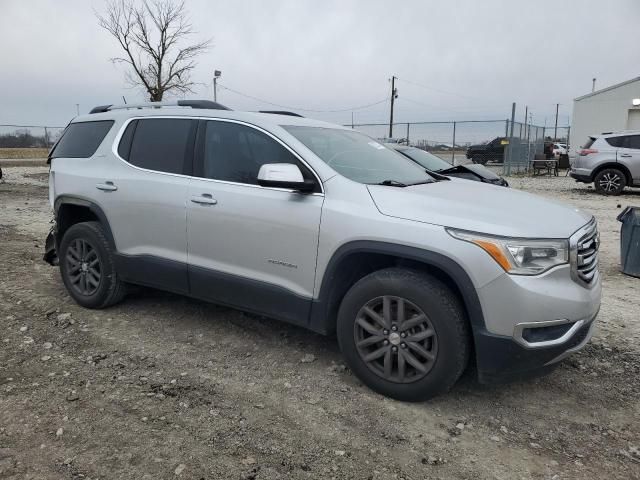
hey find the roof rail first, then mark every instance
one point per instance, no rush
(281, 112)
(204, 104)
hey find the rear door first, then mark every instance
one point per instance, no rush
(143, 194)
(250, 246)
(629, 155)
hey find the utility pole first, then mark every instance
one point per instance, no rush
(593, 85)
(394, 95)
(216, 75)
(526, 114)
(555, 129)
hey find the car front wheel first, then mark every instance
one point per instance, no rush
(481, 159)
(610, 181)
(404, 334)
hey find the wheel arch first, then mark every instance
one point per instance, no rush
(354, 260)
(615, 165)
(70, 210)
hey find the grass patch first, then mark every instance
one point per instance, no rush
(13, 153)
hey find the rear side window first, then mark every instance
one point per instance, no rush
(160, 144)
(82, 139)
(589, 142)
(618, 142)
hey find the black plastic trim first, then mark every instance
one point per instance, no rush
(282, 112)
(500, 359)
(320, 321)
(249, 295)
(152, 271)
(95, 209)
(202, 104)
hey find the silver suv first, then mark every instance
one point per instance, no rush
(323, 227)
(610, 161)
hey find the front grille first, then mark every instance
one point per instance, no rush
(587, 254)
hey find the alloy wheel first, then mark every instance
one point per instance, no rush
(610, 182)
(83, 267)
(395, 339)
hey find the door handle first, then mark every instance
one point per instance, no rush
(204, 199)
(106, 187)
(626, 155)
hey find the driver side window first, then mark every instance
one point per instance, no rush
(235, 152)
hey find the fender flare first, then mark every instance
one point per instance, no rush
(93, 208)
(320, 321)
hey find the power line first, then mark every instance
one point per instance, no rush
(438, 90)
(301, 109)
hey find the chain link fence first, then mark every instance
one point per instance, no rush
(511, 145)
(27, 141)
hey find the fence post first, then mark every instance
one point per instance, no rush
(46, 137)
(453, 146)
(506, 168)
(407, 133)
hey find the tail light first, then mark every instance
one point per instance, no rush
(587, 151)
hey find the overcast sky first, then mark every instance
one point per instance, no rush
(455, 59)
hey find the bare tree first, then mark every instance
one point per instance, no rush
(151, 34)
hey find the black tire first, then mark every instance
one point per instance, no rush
(108, 289)
(445, 316)
(481, 159)
(610, 181)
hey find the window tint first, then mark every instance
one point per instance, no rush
(124, 148)
(81, 140)
(235, 153)
(633, 141)
(163, 144)
(616, 141)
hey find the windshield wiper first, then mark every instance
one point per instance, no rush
(392, 183)
(422, 183)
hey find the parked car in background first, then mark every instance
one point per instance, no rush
(559, 149)
(492, 151)
(435, 164)
(611, 161)
(319, 225)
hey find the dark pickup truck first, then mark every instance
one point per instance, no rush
(492, 151)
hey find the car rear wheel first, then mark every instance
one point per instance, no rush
(87, 266)
(404, 334)
(610, 181)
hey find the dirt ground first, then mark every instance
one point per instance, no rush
(163, 387)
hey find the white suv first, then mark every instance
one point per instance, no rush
(323, 227)
(611, 161)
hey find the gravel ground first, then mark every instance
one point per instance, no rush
(163, 387)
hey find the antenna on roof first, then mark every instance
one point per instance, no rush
(124, 100)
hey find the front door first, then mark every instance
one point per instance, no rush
(249, 246)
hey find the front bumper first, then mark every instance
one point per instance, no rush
(502, 359)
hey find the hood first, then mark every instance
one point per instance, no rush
(480, 207)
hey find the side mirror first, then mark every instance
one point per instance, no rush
(284, 175)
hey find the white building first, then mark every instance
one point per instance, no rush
(611, 109)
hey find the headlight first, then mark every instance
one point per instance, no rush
(519, 256)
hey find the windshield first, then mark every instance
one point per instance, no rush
(358, 157)
(425, 159)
